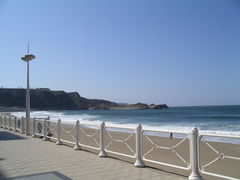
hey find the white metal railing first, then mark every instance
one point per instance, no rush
(67, 132)
(219, 155)
(173, 149)
(1, 121)
(38, 127)
(12, 123)
(51, 129)
(78, 132)
(124, 141)
(82, 129)
(9, 122)
(20, 125)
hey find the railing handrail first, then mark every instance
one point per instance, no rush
(165, 131)
(114, 127)
(219, 135)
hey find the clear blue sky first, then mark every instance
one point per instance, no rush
(152, 51)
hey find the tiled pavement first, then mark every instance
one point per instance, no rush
(25, 156)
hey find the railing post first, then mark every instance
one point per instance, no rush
(102, 152)
(15, 123)
(45, 130)
(1, 121)
(59, 142)
(27, 126)
(34, 128)
(193, 138)
(5, 122)
(9, 122)
(22, 125)
(139, 162)
(77, 146)
(48, 125)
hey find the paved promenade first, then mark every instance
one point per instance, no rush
(23, 157)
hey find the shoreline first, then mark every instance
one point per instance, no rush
(150, 130)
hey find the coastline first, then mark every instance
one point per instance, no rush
(131, 118)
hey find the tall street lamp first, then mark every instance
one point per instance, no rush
(28, 57)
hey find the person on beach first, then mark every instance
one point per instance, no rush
(19, 124)
(39, 127)
(171, 135)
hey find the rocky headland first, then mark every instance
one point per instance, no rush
(46, 99)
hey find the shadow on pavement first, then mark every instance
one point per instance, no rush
(2, 175)
(54, 175)
(6, 136)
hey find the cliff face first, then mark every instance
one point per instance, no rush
(43, 99)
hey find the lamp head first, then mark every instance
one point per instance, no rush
(28, 57)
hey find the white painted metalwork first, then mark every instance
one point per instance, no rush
(139, 147)
(45, 130)
(67, 132)
(124, 141)
(102, 152)
(22, 125)
(34, 128)
(171, 149)
(51, 129)
(9, 123)
(1, 121)
(59, 142)
(15, 123)
(193, 137)
(220, 155)
(5, 122)
(77, 145)
(85, 134)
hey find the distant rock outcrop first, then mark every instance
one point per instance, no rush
(46, 99)
(159, 106)
(139, 106)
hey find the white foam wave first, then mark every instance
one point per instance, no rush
(65, 118)
(95, 120)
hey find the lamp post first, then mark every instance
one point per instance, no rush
(28, 57)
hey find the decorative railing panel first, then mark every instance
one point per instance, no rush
(125, 140)
(51, 129)
(66, 132)
(166, 146)
(89, 136)
(217, 155)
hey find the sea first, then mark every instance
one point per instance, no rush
(219, 120)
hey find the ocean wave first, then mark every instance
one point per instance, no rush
(122, 125)
(215, 116)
